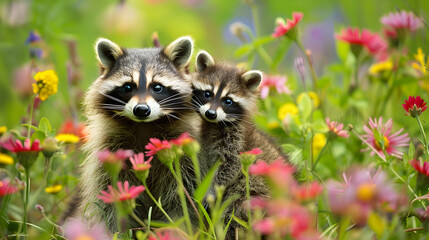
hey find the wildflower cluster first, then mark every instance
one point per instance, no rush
(46, 84)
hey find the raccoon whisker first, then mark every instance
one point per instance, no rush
(178, 118)
(112, 105)
(198, 101)
(113, 98)
(195, 104)
(172, 104)
(178, 108)
(113, 108)
(171, 98)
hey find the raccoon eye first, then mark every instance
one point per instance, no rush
(127, 88)
(207, 94)
(228, 101)
(157, 88)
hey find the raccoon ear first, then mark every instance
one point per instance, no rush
(107, 52)
(253, 79)
(204, 60)
(180, 51)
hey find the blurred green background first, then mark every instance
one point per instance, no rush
(131, 24)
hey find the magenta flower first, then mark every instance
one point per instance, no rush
(402, 20)
(183, 139)
(78, 230)
(124, 193)
(370, 41)
(105, 156)
(279, 172)
(6, 188)
(283, 28)
(274, 81)
(390, 141)
(155, 145)
(422, 168)
(336, 128)
(414, 106)
(138, 162)
(17, 146)
(255, 152)
(306, 192)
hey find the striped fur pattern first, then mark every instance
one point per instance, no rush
(226, 96)
(140, 94)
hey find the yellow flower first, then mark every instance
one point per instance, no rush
(273, 125)
(6, 159)
(381, 67)
(420, 64)
(3, 129)
(67, 138)
(46, 84)
(312, 95)
(288, 108)
(319, 141)
(54, 189)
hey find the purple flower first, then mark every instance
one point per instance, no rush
(33, 37)
(402, 20)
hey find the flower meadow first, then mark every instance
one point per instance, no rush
(344, 95)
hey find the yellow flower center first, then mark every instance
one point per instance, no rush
(84, 237)
(366, 192)
(288, 108)
(385, 142)
(54, 189)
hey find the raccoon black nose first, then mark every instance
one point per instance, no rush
(211, 114)
(141, 110)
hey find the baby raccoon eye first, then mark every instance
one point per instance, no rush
(228, 101)
(207, 94)
(128, 88)
(157, 88)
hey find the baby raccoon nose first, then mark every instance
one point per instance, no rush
(211, 114)
(141, 110)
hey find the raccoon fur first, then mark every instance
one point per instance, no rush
(226, 99)
(140, 94)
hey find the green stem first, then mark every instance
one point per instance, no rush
(355, 83)
(26, 196)
(249, 214)
(320, 154)
(48, 163)
(196, 164)
(138, 220)
(406, 183)
(422, 130)
(181, 193)
(391, 87)
(310, 63)
(261, 51)
(30, 120)
(156, 202)
(255, 17)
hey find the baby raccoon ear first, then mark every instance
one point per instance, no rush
(180, 51)
(107, 52)
(204, 60)
(253, 79)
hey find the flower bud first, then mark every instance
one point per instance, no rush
(49, 146)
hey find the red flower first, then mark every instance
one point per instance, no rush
(6, 188)
(283, 28)
(336, 128)
(278, 171)
(138, 162)
(424, 169)
(156, 145)
(372, 42)
(125, 193)
(306, 192)
(255, 151)
(76, 128)
(16, 146)
(414, 106)
(183, 139)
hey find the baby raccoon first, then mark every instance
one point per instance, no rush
(140, 94)
(226, 99)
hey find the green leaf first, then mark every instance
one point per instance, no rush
(205, 184)
(411, 150)
(206, 215)
(305, 107)
(239, 221)
(38, 134)
(45, 125)
(244, 50)
(33, 127)
(377, 224)
(262, 40)
(343, 50)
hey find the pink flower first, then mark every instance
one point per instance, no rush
(419, 167)
(274, 81)
(169, 234)
(402, 20)
(372, 42)
(183, 139)
(77, 230)
(105, 156)
(414, 106)
(283, 28)
(279, 172)
(16, 146)
(6, 188)
(361, 193)
(307, 191)
(125, 193)
(390, 141)
(138, 162)
(155, 145)
(337, 128)
(255, 151)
